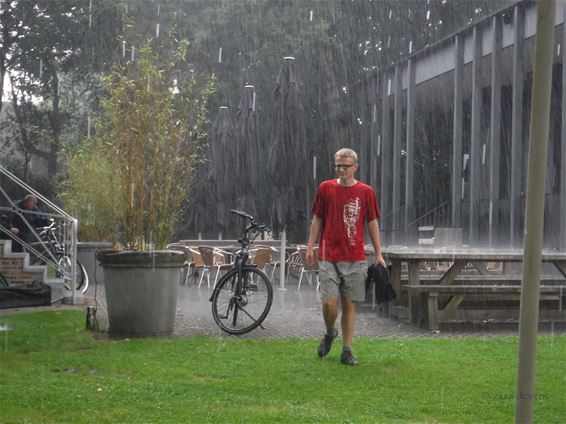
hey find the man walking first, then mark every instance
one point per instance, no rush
(342, 208)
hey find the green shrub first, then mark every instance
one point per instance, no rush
(88, 191)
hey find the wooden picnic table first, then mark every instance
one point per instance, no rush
(423, 291)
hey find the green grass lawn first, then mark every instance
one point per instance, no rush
(53, 371)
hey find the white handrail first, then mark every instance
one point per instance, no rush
(35, 193)
(69, 237)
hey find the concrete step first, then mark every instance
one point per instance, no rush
(29, 272)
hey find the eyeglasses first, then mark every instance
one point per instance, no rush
(338, 166)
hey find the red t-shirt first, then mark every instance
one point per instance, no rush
(344, 212)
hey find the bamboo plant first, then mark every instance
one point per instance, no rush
(88, 191)
(153, 134)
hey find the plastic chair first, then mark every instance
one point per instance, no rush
(307, 270)
(200, 266)
(261, 256)
(189, 264)
(294, 264)
(215, 259)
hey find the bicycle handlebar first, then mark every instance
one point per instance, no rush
(253, 223)
(242, 214)
(47, 227)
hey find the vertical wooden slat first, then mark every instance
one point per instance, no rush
(365, 127)
(457, 132)
(385, 158)
(397, 154)
(517, 126)
(495, 139)
(374, 135)
(410, 159)
(476, 151)
(562, 214)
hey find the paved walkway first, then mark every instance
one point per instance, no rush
(295, 313)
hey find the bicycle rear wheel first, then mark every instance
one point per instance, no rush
(239, 308)
(82, 276)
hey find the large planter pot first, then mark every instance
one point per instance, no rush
(86, 255)
(141, 291)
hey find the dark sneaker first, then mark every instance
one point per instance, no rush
(348, 358)
(326, 344)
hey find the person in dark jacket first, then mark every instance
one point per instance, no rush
(18, 227)
(5, 221)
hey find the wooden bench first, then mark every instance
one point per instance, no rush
(425, 303)
(492, 279)
(400, 310)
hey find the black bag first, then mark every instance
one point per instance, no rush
(379, 276)
(22, 295)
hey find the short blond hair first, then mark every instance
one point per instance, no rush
(346, 153)
(31, 198)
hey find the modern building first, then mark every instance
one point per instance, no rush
(448, 145)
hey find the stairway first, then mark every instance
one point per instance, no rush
(15, 267)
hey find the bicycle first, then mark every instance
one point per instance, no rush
(242, 298)
(52, 249)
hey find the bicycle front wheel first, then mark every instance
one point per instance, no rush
(240, 306)
(82, 276)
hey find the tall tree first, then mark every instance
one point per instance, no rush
(51, 54)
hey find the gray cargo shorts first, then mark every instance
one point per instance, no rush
(354, 286)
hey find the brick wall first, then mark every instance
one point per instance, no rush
(12, 268)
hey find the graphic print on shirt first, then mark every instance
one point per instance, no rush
(351, 216)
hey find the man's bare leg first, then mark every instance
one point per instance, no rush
(348, 324)
(329, 313)
(348, 321)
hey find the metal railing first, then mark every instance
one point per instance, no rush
(36, 245)
(438, 216)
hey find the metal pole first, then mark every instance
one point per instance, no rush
(534, 214)
(74, 259)
(282, 259)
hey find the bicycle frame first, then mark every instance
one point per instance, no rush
(242, 255)
(50, 243)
